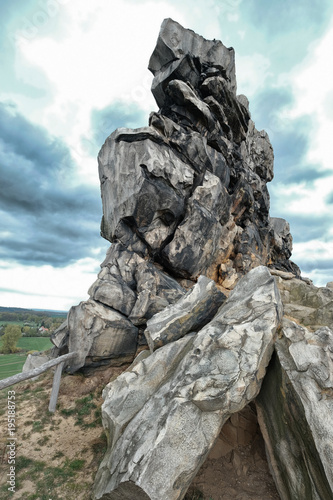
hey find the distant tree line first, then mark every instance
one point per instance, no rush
(30, 317)
(32, 326)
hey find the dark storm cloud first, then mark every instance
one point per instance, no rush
(31, 142)
(322, 266)
(105, 121)
(44, 219)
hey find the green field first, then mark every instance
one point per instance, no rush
(10, 364)
(34, 343)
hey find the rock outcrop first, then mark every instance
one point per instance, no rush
(191, 187)
(163, 415)
(183, 197)
(186, 210)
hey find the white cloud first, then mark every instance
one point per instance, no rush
(46, 287)
(103, 57)
(304, 199)
(312, 83)
(252, 73)
(317, 255)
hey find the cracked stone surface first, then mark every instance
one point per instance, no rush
(297, 422)
(164, 414)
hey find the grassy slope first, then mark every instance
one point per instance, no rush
(57, 454)
(35, 343)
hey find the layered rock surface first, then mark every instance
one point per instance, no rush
(191, 187)
(164, 414)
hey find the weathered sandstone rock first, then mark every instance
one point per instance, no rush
(192, 186)
(163, 416)
(186, 196)
(307, 304)
(133, 286)
(99, 333)
(295, 408)
(190, 313)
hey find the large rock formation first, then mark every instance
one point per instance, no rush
(182, 197)
(186, 210)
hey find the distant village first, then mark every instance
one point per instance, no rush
(33, 323)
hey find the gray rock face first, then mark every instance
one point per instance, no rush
(134, 286)
(297, 421)
(164, 414)
(35, 360)
(189, 314)
(105, 329)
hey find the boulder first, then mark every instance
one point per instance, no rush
(35, 360)
(133, 286)
(99, 334)
(163, 415)
(295, 408)
(144, 185)
(188, 314)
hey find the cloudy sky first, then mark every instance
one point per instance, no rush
(74, 70)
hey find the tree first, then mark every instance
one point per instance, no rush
(10, 338)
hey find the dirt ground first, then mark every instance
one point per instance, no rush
(58, 454)
(241, 475)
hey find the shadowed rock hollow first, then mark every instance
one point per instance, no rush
(193, 272)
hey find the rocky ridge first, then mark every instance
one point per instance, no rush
(186, 210)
